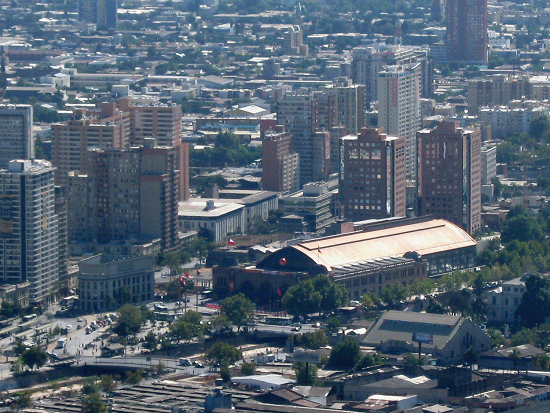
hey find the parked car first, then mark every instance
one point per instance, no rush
(185, 362)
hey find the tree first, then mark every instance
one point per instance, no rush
(411, 360)
(219, 322)
(129, 320)
(333, 295)
(535, 302)
(318, 294)
(367, 360)
(539, 128)
(134, 377)
(543, 361)
(394, 293)
(150, 341)
(223, 354)
(522, 228)
(345, 354)
(225, 374)
(369, 299)
(527, 336)
(422, 287)
(172, 261)
(515, 356)
(332, 325)
(90, 385)
(471, 356)
(108, 383)
(239, 310)
(497, 338)
(302, 299)
(34, 357)
(306, 373)
(93, 403)
(248, 368)
(313, 340)
(19, 347)
(187, 326)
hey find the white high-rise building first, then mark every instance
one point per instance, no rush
(369, 61)
(29, 243)
(16, 140)
(399, 106)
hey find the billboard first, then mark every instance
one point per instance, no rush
(423, 338)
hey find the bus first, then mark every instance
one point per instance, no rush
(69, 302)
(29, 317)
(279, 321)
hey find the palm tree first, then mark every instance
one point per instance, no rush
(515, 356)
(470, 356)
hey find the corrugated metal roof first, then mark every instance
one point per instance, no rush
(400, 326)
(427, 237)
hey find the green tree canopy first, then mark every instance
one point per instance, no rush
(248, 368)
(151, 342)
(34, 357)
(306, 373)
(129, 321)
(187, 326)
(238, 309)
(223, 354)
(345, 354)
(318, 294)
(535, 303)
(522, 228)
(93, 403)
(367, 360)
(313, 340)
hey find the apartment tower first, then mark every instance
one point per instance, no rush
(298, 113)
(29, 243)
(373, 177)
(467, 31)
(449, 174)
(399, 106)
(280, 166)
(162, 122)
(101, 12)
(108, 128)
(126, 195)
(16, 139)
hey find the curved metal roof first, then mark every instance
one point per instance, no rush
(425, 238)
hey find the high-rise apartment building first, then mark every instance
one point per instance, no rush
(29, 243)
(298, 113)
(488, 162)
(466, 35)
(344, 105)
(399, 106)
(121, 128)
(294, 42)
(373, 177)
(497, 91)
(280, 166)
(449, 174)
(71, 140)
(162, 122)
(126, 195)
(159, 121)
(368, 62)
(16, 139)
(101, 12)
